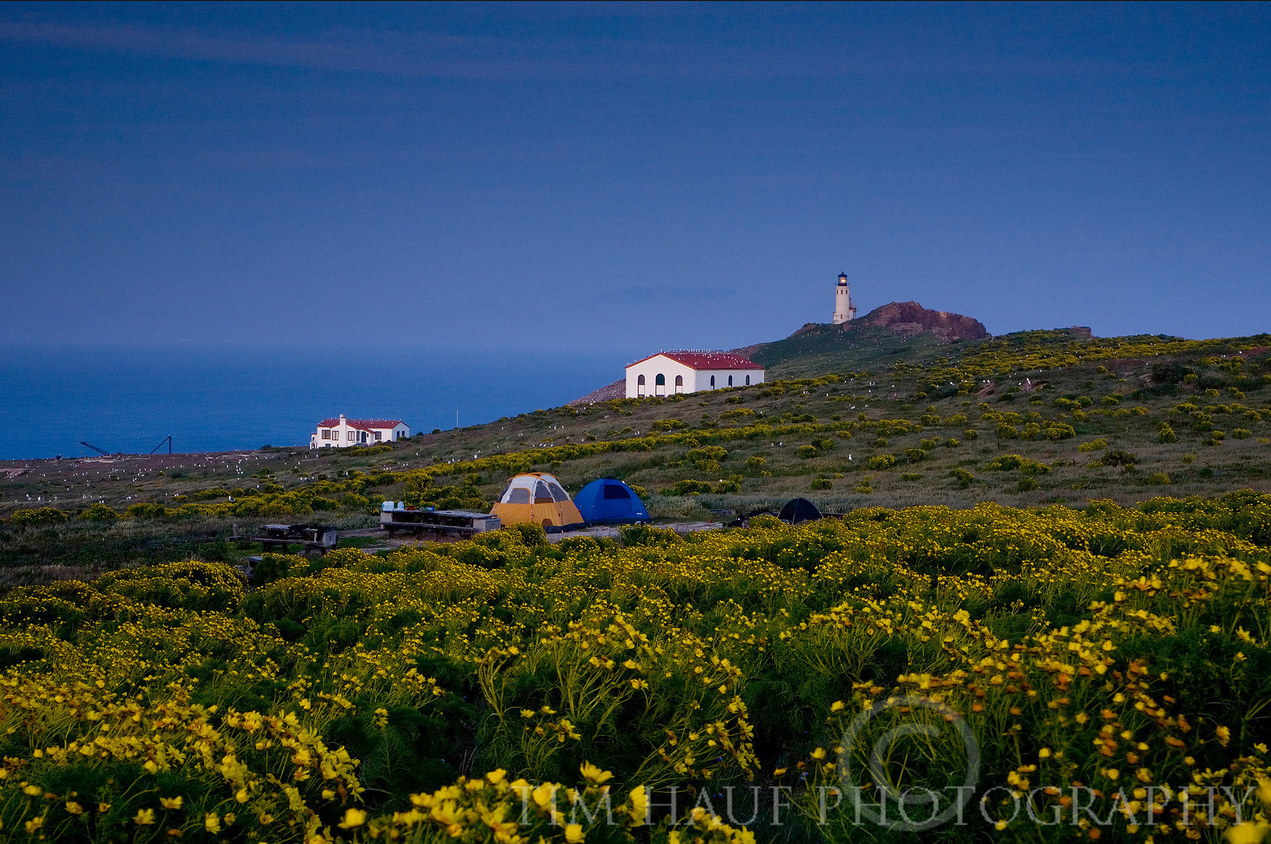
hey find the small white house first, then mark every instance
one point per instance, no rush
(342, 433)
(669, 373)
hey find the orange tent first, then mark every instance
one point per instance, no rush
(537, 497)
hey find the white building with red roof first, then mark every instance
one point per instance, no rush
(342, 432)
(670, 373)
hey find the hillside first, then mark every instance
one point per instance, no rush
(896, 331)
(1026, 419)
(899, 330)
(437, 692)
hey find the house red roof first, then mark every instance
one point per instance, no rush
(706, 360)
(362, 424)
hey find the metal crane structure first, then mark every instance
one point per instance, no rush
(165, 441)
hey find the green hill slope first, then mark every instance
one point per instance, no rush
(877, 418)
(822, 350)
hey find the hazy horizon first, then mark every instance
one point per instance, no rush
(129, 400)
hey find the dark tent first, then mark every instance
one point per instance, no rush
(799, 510)
(610, 502)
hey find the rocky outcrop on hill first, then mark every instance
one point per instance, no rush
(909, 318)
(912, 318)
(616, 390)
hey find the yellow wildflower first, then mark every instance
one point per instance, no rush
(353, 818)
(1245, 833)
(594, 775)
(544, 795)
(639, 805)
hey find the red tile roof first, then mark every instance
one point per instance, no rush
(362, 424)
(706, 360)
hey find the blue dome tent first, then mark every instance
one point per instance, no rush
(608, 501)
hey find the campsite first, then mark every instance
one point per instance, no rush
(1041, 586)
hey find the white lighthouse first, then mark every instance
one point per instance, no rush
(844, 310)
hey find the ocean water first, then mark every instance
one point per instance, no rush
(130, 401)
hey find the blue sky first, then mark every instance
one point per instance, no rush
(625, 177)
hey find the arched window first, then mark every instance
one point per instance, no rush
(730, 380)
(679, 383)
(640, 386)
(747, 380)
(712, 382)
(659, 385)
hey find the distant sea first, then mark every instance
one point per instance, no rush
(222, 401)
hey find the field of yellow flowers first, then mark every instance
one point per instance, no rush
(896, 674)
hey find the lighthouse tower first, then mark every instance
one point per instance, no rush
(844, 310)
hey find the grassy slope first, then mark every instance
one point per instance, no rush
(911, 398)
(828, 349)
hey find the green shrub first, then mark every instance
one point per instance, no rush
(533, 535)
(1007, 432)
(209, 494)
(37, 516)
(1025, 465)
(822, 483)
(963, 477)
(880, 462)
(805, 452)
(688, 486)
(1094, 445)
(647, 535)
(1056, 431)
(1166, 434)
(1242, 433)
(97, 512)
(353, 501)
(1159, 479)
(146, 510)
(707, 457)
(1117, 457)
(270, 568)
